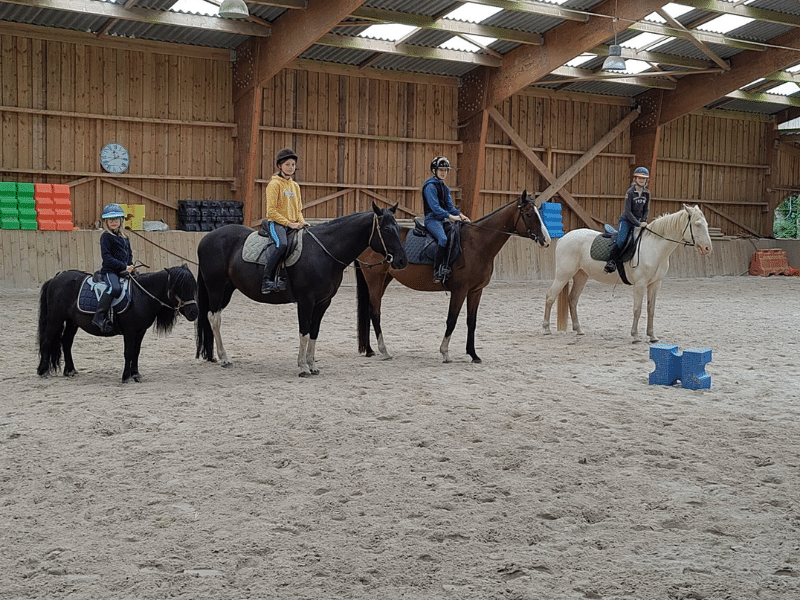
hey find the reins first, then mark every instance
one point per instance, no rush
(529, 233)
(180, 304)
(638, 242)
(375, 227)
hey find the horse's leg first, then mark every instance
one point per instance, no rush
(137, 350)
(129, 348)
(376, 295)
(316, 321)
(215, 319)
(456, 302)
(67, 337)
(652, 292)
(473, 301)
(638, 296)
(51, 330)
(578, 283)
(555, 289)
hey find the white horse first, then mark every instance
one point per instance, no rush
(645, 270)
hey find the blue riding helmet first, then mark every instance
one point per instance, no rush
(641, 171)
(113, 211)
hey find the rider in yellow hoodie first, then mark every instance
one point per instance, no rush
(284, 208)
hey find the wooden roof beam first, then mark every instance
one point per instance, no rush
(742, 10)
(526, 65)
(292, 34)
(695, 92)
(698, 43)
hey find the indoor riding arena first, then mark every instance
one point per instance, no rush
(644, 454)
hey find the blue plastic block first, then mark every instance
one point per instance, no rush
(688, 367)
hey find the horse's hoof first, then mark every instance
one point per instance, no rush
(446, 361)
(70, 373)
(315, 371)
(137, 378)
(304, 374)
(636, 341)
(547, 332)
(652, 341)
(477, 360)
(227, 365)
(369, 354)
(386, 357)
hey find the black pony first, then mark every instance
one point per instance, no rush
(313, 280)
(155, 297)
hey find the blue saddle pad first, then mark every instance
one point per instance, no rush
(91, 291)
(421, 250)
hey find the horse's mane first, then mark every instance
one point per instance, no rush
(183, 282)
(497, 210)
(669, 223)
(338, 221)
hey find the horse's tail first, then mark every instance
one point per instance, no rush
(204, 334)
(49, 350)
(362, 294)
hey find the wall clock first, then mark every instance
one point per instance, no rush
(114, 158)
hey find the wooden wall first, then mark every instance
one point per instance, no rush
(64, 96)
(361, 135)
(29, 258)
(358, 136)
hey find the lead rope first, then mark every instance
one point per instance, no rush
(180, 303)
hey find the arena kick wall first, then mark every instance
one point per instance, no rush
(29, 258)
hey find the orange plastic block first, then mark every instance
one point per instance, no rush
(769, 262)
(47, 224)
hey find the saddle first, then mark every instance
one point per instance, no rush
(254, 248)
(604, 242)
(93, 287)
(421, 246)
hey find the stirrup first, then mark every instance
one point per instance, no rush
(610, 267)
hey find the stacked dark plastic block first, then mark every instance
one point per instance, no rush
(207, 215)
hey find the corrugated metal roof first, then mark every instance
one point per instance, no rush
(520, 20)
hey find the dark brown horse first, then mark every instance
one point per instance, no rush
(155, 297)
(313, 280)
(480, 241)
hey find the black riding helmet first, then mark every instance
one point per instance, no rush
(440, 162)
(284, 155)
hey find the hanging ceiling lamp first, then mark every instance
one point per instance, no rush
(614, 60)
(233, 9)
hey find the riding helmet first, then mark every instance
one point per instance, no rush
(113, 211)
(284, 155)
(440, 162)
(641, 171)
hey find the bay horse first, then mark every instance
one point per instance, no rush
(313, 280)
(481, 240)
(155, 297)
(645, 270)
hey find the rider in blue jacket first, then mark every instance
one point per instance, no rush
(637, 208)
(115, 248)
(438, 206)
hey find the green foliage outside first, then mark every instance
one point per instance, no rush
(787, 216)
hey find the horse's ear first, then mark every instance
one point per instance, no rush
(375, 208)
(394, 208)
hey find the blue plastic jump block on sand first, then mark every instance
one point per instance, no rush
(688, 367)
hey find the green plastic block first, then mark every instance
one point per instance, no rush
(25, 190)
(28, 224)
(9, 223)
(8, 188)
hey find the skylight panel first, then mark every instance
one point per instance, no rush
(472, 13)
(785, 89)
(672, 9)
(641, 40)
(724, 23)
(388, 31)
(633, 66)
(579, 60)
(459, 43)
(794, 69)
(196, 7)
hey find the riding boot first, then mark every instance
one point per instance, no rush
(611, 265)
(100, 318)
(440, 269)
(270, 281)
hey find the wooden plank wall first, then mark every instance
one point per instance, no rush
(715, 158)
(353, 131)
(29, 258)
(65, 97)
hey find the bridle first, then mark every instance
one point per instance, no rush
(529, 233)
(178, 306)
(375, 228)
(682, 240)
